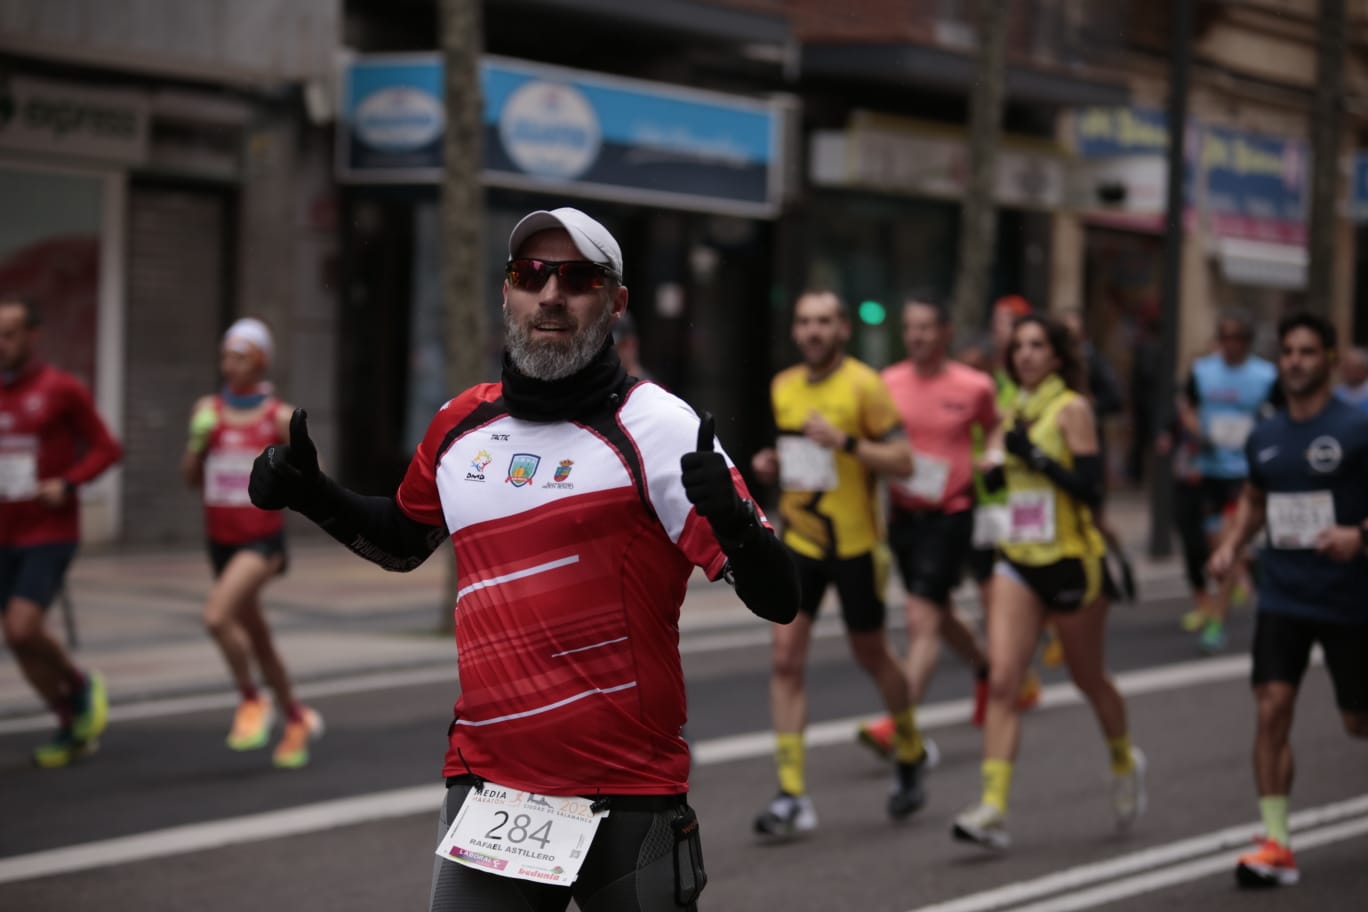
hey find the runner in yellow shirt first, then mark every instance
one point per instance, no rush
(837, 430)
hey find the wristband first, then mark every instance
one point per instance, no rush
(851, 442)
(1363, 536)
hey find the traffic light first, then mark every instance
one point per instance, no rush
(872, 313)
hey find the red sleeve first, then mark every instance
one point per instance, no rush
(101, 449)
(418, 495)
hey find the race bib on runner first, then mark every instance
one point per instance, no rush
(928, 478)
(1031, 517)
(1229, 432)
(805, 465)
(226, 476)
(1295, 521)
(521, 834)
(18, 468)
(992, 522)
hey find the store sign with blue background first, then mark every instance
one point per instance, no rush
(548, 128)
(1256, 186)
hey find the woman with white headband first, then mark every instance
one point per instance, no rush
(246, 545)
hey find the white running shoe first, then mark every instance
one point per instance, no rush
(1129, 797)
(982, 824)
(786, 817)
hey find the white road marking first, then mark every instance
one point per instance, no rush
(955, 712)
(198, 837)
(1340, 820)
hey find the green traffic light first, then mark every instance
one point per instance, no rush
(873, 313)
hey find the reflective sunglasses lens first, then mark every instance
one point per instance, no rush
(578, 278)
(528, 275)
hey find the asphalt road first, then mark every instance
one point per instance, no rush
(163, 783)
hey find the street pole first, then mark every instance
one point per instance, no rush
(1161, 490)
(1325, 142)
(978, 214)
(462, 215)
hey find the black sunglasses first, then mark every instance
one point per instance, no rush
(573, 276)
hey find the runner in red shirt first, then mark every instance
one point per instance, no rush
(578, 501)
(51, 442)
(246, 545)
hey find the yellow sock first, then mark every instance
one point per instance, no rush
(907, 739)
(1273, 809)
(1122, 761)
(997, 782)
(788, 756)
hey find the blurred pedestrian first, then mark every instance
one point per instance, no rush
(52, 441)
(628, 345)
(1354, 373)
(1051, 567)
(1225, 394)
(570, 578)
(1308, 486)
(838, 431)
(246, 545)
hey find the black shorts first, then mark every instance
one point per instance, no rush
(34, 572)
(1219, 495)
(856, 580)
(1064, 586)
(931, 549)
(268, 547)
(1282, 650)
(635, 864)
(980, 563)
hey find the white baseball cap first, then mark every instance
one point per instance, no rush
(247, 333)
(592, 240)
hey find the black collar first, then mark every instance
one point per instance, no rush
(598, 385)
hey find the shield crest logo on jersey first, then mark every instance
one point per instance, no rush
(563, 470)
(521, 468)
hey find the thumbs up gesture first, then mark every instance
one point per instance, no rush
(287, 475)
(708, 481)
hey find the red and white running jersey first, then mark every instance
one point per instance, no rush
(574, 545)
(48, 429)
(229, 517)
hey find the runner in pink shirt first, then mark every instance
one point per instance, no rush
(931, 522)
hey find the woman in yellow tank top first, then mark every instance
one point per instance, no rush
(1051, 567)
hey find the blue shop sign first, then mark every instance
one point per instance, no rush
(567, 131)
(1107, 132)
(1358, 188)
(1255, 186)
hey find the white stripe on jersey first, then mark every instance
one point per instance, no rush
(557, 655)
(549, 707)
(517, 575)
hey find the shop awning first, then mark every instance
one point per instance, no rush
(685, 16)
(904, 64)
(1262, 264)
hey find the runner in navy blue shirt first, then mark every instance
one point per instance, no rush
(1308, 485)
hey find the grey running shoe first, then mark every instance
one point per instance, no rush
(982, 824)
(786, 817)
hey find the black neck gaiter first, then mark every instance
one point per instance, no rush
(597, 385)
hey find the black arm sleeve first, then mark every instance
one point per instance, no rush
(1083, 481)
(373, 527)
(762, 569)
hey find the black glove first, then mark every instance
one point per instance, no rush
(709, 487)
(1018, 442)
(287, 475)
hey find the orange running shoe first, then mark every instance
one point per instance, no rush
(1028, 697)
(1269, 865)
(293, 750)
(878, 737)
(251, 724)
(1052, 653)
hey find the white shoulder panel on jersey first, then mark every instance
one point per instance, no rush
(663, 427)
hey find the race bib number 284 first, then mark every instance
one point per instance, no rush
(521, 834)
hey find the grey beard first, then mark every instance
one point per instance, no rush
(549, 360)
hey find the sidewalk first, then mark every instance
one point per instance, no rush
(138, 616)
